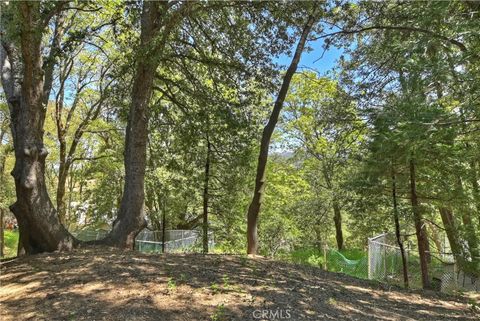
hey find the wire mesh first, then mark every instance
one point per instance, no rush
(148, 241)
(89, 235)
(385, 264)
(175, 241)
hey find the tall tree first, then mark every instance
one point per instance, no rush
(27, 84)
(398, 235)
(322, 121)
(420, 226)
(158, 21)
(260, 180)
(90, 104)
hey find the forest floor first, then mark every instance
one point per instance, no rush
(107, 284)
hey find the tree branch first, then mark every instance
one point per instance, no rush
(454, 42)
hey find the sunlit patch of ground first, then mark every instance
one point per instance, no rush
(108, 284)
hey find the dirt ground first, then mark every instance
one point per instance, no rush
(107, 284)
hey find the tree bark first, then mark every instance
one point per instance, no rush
(2, 182)
(452, 234)
(154, 18)
(397, 230)
(469, 228)
(328, 172)
(61, 204)
(255, 205)
(2, 227)
(130, 220)
(40, 229)
(206, 198)
(475, 189)
(164, 224)
(420, 229)
(337, 217)
(435, 236)
(66, 154)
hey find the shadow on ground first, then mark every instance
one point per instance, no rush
(107, 284)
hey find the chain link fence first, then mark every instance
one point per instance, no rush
(175, 241)
(148, 241)
(385, 264)
(89, 235)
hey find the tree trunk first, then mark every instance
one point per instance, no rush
(452, 234)
(2, 227)
(40, 229)
(2, 182)
(338, 225)
(475, 189)
(130, 220)
(206, 198)
(164, 224)
(435, 237)
(397, 230)
(255, 205)
(62, 182)
(420, 229)
(71, 184)
(469, 228)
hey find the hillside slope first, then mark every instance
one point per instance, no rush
(106, 284)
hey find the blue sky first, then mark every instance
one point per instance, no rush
(311, 59)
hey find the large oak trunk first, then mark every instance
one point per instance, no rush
(40, 229)
(255, 205)
(130, 220)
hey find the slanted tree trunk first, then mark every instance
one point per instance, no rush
(337, 217)
(420, 228)
(260, 180)
(40, 229)
(475, 189)
(435, 236)
(397, 230)
(469, 228)
(206, 197)
(452, 234)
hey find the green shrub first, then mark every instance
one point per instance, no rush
(11, 243)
